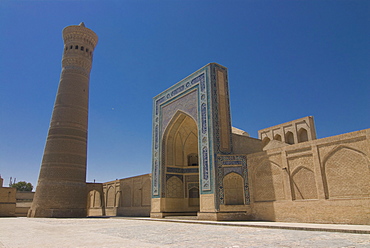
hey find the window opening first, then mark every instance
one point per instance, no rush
(265, 141)
(289, 138)
(302, 135)
(193, 159)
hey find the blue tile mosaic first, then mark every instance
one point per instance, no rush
(182, 170)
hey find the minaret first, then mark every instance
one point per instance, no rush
(61, 188)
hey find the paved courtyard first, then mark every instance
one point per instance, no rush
(122, 232)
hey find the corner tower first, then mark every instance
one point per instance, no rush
(61, 188)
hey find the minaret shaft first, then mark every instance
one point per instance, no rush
(61, 189)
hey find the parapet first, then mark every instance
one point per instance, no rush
(292, 132)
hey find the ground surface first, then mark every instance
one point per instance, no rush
(99, 232)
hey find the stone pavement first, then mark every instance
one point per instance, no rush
(139, 232)
(363, 229)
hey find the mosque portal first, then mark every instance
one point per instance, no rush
(193, 158)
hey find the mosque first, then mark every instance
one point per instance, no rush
(201, 165)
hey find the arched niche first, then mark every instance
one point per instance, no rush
(265, 141)
(302, 135)
(181, 141)
(347, 173)
(277, 137)
(181, 160)
(268, 182)
(233, 189)
(110, 202)
(304, 184)
(289, 138)
(193, 196)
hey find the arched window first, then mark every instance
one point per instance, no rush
(82, 48)
(76, 47)
(71, 47)
(289, 138)
(193, 159)
(277, 137)
(265, 141)
(302, 135)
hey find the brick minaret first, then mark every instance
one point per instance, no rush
(61, 188)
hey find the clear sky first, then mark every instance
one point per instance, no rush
(286, 60)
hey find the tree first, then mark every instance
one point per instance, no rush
(23, 186)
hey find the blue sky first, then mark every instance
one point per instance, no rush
(286, 60)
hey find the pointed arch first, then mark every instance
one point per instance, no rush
(289, 138)
(268, 184)
(265, 141)
(347, 173)
(176, 119)
(180, 149)
(97, 199)
(277, 137)
(304, 184)
(110, 201)
(233, 189)
(302, 135)
(94, 199)
(180, 139)
(339, 147)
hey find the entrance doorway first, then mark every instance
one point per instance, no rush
(181, 165)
